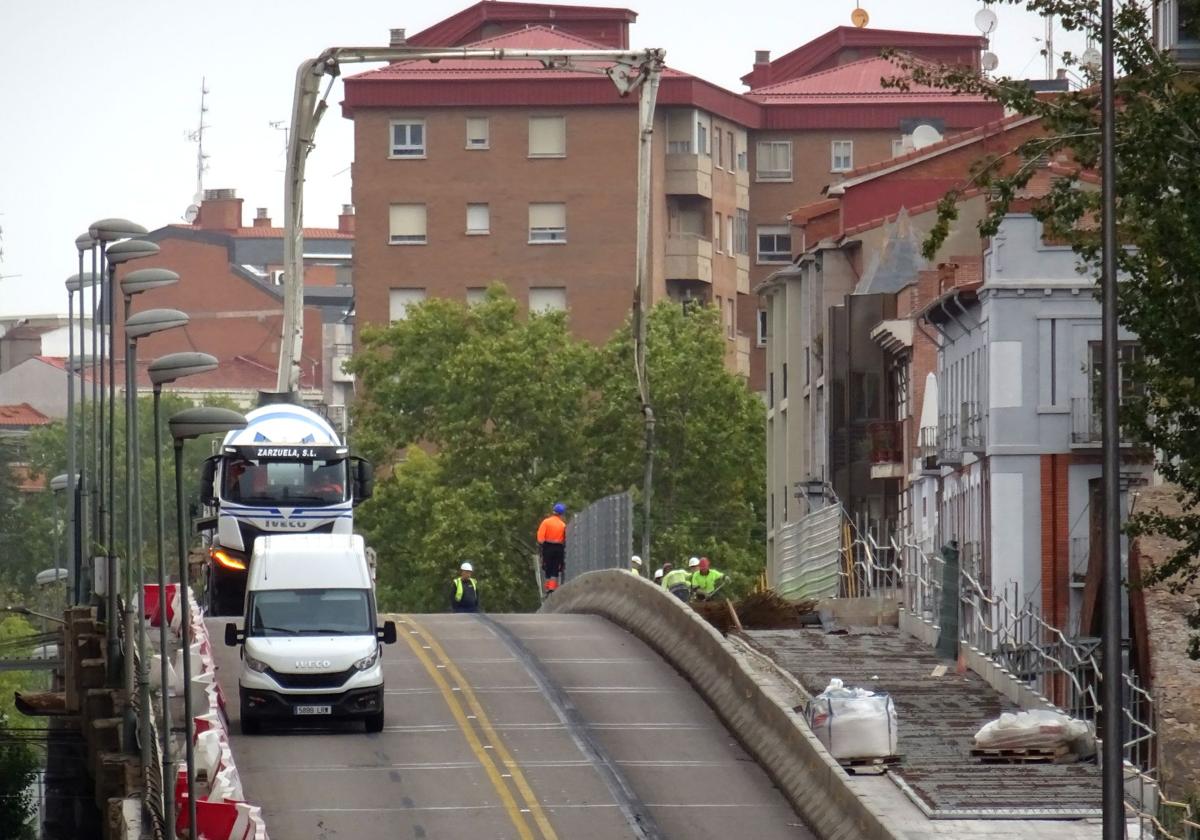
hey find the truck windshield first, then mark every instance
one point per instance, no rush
(284, 482)
(312, 612)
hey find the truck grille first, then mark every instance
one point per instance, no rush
(323, 680)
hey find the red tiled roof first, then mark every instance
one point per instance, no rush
(915, 210)
(856, 81)
(271, 232)
(21, 415)
(234, 373)
(452, 30)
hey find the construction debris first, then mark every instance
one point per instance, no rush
(757, 611)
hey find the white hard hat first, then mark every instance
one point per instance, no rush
(635, 560)
(466, 567)
(658, 574)
(693, 562)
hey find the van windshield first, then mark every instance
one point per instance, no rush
(252, 482)
(312, 612)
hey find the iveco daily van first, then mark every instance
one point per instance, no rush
(310, 644)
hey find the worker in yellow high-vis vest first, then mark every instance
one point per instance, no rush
(464, 590)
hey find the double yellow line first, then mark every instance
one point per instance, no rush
(480, 734)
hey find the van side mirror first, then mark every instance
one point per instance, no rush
(387, 635)
(208, 475)
(233, 636)
(364, 479)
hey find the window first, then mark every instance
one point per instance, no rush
(477, 132)
(547, 223)
(408, 138)
(774, 161)
(729, 235)
(774, 243)
(399, 300)
(1129, 356)
(679, 132)
(478, 219)
(717, 233)
(732, 150)
(547, 299)
(407, 224)
(718, 151)
(547, 137)
(785, 380)
(841, 154)
(741, 161)
(476, 295)
(761, 337)
(741, 232)
(730, 331)
(701, 138)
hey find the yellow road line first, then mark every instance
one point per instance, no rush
(481, 717)
(510, 804)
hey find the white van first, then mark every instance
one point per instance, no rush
(310, 647)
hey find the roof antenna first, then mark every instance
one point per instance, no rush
(197, 137)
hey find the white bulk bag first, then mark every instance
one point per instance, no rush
(853, 722)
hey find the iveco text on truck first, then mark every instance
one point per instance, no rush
(286, 472)
(310, 644)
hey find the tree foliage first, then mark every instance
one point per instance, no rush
(1157, 186)
(480, 420)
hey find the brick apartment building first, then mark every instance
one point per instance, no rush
(231, 288)
(467, 173)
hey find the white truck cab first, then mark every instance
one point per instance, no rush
(310, 644)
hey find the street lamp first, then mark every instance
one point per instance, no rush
(162, 370)
(85, 242)
(76, 492)
(187, 424)
(117, 253)
(138, 326)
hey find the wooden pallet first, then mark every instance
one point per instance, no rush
(1029, 755)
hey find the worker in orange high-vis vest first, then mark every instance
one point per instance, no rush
(552, 543)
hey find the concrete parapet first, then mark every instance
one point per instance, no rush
(755, 708)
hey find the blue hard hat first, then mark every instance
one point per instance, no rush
(559, 507)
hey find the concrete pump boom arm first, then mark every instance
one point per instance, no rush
(628, 69)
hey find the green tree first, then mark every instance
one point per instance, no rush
(485, 419)
(19, 762)
(1158, 190)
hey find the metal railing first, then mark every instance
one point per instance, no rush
(949, 441)
(601, 536)
(973, 438)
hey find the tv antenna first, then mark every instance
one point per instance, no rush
(197, 137)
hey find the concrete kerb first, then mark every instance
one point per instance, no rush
(754, 708)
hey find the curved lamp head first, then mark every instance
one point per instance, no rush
(82, 281)
(59, 482)
(193, 422)
(144, 279)
(47, 577)
(130, 249)
(80, 361)
(154, 320)
(84, 242)
(174, 366)
(110, 230)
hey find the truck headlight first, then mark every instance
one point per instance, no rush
(368, 662)
(253, 664)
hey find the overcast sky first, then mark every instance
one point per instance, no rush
(101, 98)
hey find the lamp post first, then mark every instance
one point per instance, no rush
(117, 253)
(76, 492)
(162, 370)
(187, 424)
(138, 326)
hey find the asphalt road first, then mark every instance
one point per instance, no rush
(475, 747)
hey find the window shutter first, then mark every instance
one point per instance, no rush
(547, 215)
(547, 136)
(407, 223)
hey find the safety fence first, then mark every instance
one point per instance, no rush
(1013, 634)
(808, 553)
(600, 536)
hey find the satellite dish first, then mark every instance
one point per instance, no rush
(860, 18)
(925, 135)
(1091, 58)
(985, 21)
(990, 62)
(191, 213)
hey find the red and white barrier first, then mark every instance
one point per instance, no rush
(222, 814)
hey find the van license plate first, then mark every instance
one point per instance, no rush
(312, 710)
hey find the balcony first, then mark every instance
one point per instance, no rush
(972, 425)
(887, 448)
(341, 354)
(688, 174)
(689, 257)
(1087, 424)
(927, 448)
(949, 442)
(1080, 555)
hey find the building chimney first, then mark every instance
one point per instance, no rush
(398, 38)
(261, 219)
(1062, 74)
(346, 219)
(220, 210)
(762, 57)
